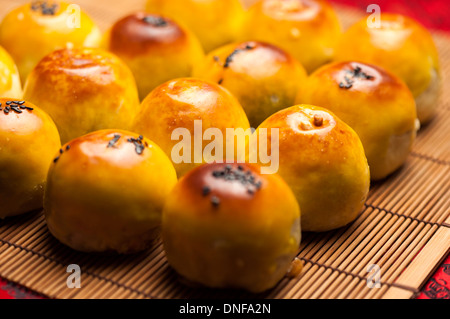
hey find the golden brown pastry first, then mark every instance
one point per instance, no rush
(180, 104)
(106, 192)
(10, 85)
(307, 29)
(28, 142)
(84, 90)
(248, 3)
(228, 226)
(33, 30)
(375, 103)
(264, 78)
(155, 48)
(403, 47)
(215, 22)
(322, 159)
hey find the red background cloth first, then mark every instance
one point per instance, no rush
(9, 290)
(439, 286)
(433, 14)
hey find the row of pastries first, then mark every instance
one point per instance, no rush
(89, 135)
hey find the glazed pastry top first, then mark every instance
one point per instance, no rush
(400, 45)
(142, 32)
(257, 60)
(22, 118)
(307, 29)
(91, 159)
(78, 73)
(8, 71)
(368, 89)
(235, 196)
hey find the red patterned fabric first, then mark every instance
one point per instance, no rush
(432, 14)
(439, 286)
(9, 290)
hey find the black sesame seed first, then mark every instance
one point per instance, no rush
(9, 102)
(215, 201)
(155, 21)
(206, 190)
(348, 83)
(138, 145)
(44, 7)
(56, 159)
(245, 178)
(113, 142)
(220, 82)
(67, 147)
(29, 108)
(140, 149)
(16, 109)
(234, 53)
(61, 151)
(355, 74)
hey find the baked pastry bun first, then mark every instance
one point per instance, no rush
(402, 46)
(264, 78)
(248, 3)
(215, 22)
(33, 30)
(375, 103)
(307, 29)
(84, 90)
(10, 85)
(228, 226)
(28, 142)
(178, 114)
(155, 48)
(106, 191)
(322, 159)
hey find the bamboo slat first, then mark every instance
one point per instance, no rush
(431, 256)
(404, 228)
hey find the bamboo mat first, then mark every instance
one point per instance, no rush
(404, 229)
